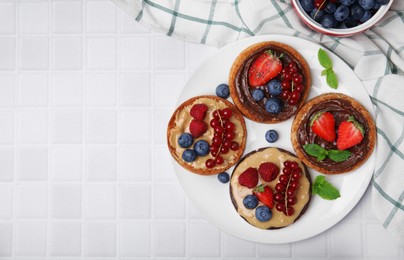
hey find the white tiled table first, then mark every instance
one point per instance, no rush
(85, 95)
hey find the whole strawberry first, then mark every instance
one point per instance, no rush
(266, 67)
(323, 125)
(249, 178)
(197, 128)
(268, 171)
(350, 133)
(198, 111)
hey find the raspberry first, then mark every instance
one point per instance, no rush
(198, 111)
(249, 178)
(268, 171)
(197, 128)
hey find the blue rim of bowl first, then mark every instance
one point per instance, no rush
(343, 32)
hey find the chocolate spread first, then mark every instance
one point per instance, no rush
(244, 90)
(341, 110)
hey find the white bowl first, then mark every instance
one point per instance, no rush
(339, 32)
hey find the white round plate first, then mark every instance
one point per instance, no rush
(212, 198)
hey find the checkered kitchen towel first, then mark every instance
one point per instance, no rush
(376, 56)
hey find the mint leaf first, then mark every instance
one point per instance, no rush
(314, 149)
(339, 156)
(326, 63)
(324, 59)
(324, 189)
(321, 153)
(331, 79)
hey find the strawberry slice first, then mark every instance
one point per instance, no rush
(265, 195)
(198, 111)
(350, 133)
(266, 67)
(249, 178)
(323, 125)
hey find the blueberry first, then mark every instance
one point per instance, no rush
(223, 91)
(185, 140)
(330, 7)
(258, 94)
(367, 4)
(366, 16)
(273, 105)
(307, 5)
(347, 2)
(356, 12)
(328, 21)
(263, 213)
(274, 87)
(376, 6)
(350, 22)
(201, 148)
(341, 13)
(382, 2)
(271, 136)
(189, 155)
(223, 177)
(250, 201)
(317, 14)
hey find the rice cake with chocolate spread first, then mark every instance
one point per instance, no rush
(241, 91)
(341, 107)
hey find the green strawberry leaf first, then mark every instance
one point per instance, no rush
(331, 79)
(324, 189)
(324, 59)
(339, 156)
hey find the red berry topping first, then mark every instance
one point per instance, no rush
(278, 197)
(268, 171)
(286, 85)
(249, 178)
(265, 195)
(210, 163)
(197, 128)
(198, 111)
(280, 207)
(266, 67)
(350, 133)
(219, 160)
(234, 146)
(323, 125)
(289, 211)
(227, 113)
(285, 94)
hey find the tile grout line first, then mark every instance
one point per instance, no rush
(83, 124)
(118, 124)
(16, 132)
(50, 131)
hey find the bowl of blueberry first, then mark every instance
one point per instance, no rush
(341, 18)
